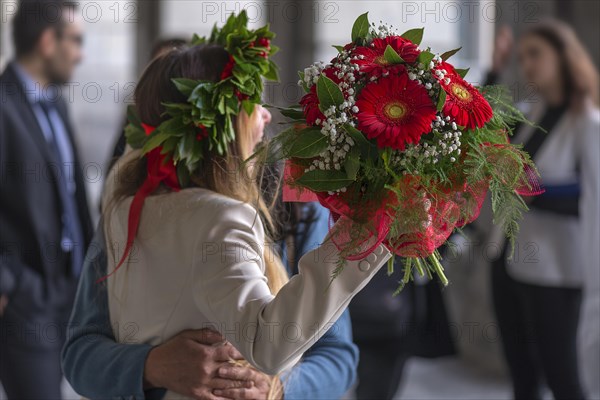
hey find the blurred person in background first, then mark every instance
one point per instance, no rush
(538, 293)
(45, 224)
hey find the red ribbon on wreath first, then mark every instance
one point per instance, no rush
(159, 169)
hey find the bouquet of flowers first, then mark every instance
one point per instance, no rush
(400, 148)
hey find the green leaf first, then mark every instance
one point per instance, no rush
(339, 48)
(309, 143)
(329, 93)
(185, 145)
(360, 29)
(169, 145)
(414, 35)
(361, 142)
(425, 58)
(183, 175)
(450, 53)
(391, 56)
(196, 40)
(274, 50)
(248, 106)
(132, 116)
(352, 163)
(441, 100)
(292, 113)
(155, 140)
(185, 86)
(174, 109)
(462, 72)
(303, 84)
(135, 136)
(273, 73)
(324, 181)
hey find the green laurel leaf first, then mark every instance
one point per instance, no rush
(292, 113)
(414, 35)
(360, 29)
(391, 56)
(329, 93)
(134, 133)
(450, 53)
(361, 142)
(352, 163)
(309, 143)
(425, 58)
(154, 140)
(441, 100)
(462, 72)
(324, 181)
(185, 86)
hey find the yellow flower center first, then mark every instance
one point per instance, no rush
(394, 110)
(461, 92)
(381, 60)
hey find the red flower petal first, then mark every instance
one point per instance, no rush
(373, 61)
(395, 111)
(464, 103)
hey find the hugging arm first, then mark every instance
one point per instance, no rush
(93, 362)
(232, 291)
(97, 366)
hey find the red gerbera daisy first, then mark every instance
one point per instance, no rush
(464, 103)
(395, 111)
(310, 101)
(373, 61)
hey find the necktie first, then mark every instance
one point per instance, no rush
(72, 240)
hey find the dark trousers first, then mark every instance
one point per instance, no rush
(380, 368)
(538, 325)
(31, 341)
(30, 374)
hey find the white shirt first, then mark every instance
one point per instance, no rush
(561, 250)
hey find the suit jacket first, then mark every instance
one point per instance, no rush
(34, 271)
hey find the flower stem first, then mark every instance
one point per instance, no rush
(390, 265)
(419, 266)
(439, 269)
(407, 270)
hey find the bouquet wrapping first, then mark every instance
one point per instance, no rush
(401, 149)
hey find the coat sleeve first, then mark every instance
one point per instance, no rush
(93, 362)
(270, 331)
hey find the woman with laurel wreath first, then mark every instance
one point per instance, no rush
(202, 254)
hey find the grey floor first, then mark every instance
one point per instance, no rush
(451, 378)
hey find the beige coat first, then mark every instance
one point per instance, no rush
(198, 262)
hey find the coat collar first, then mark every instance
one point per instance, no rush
(11, 79)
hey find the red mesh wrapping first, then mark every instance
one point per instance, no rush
(421, 222)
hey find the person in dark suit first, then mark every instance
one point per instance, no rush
(45, 225)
